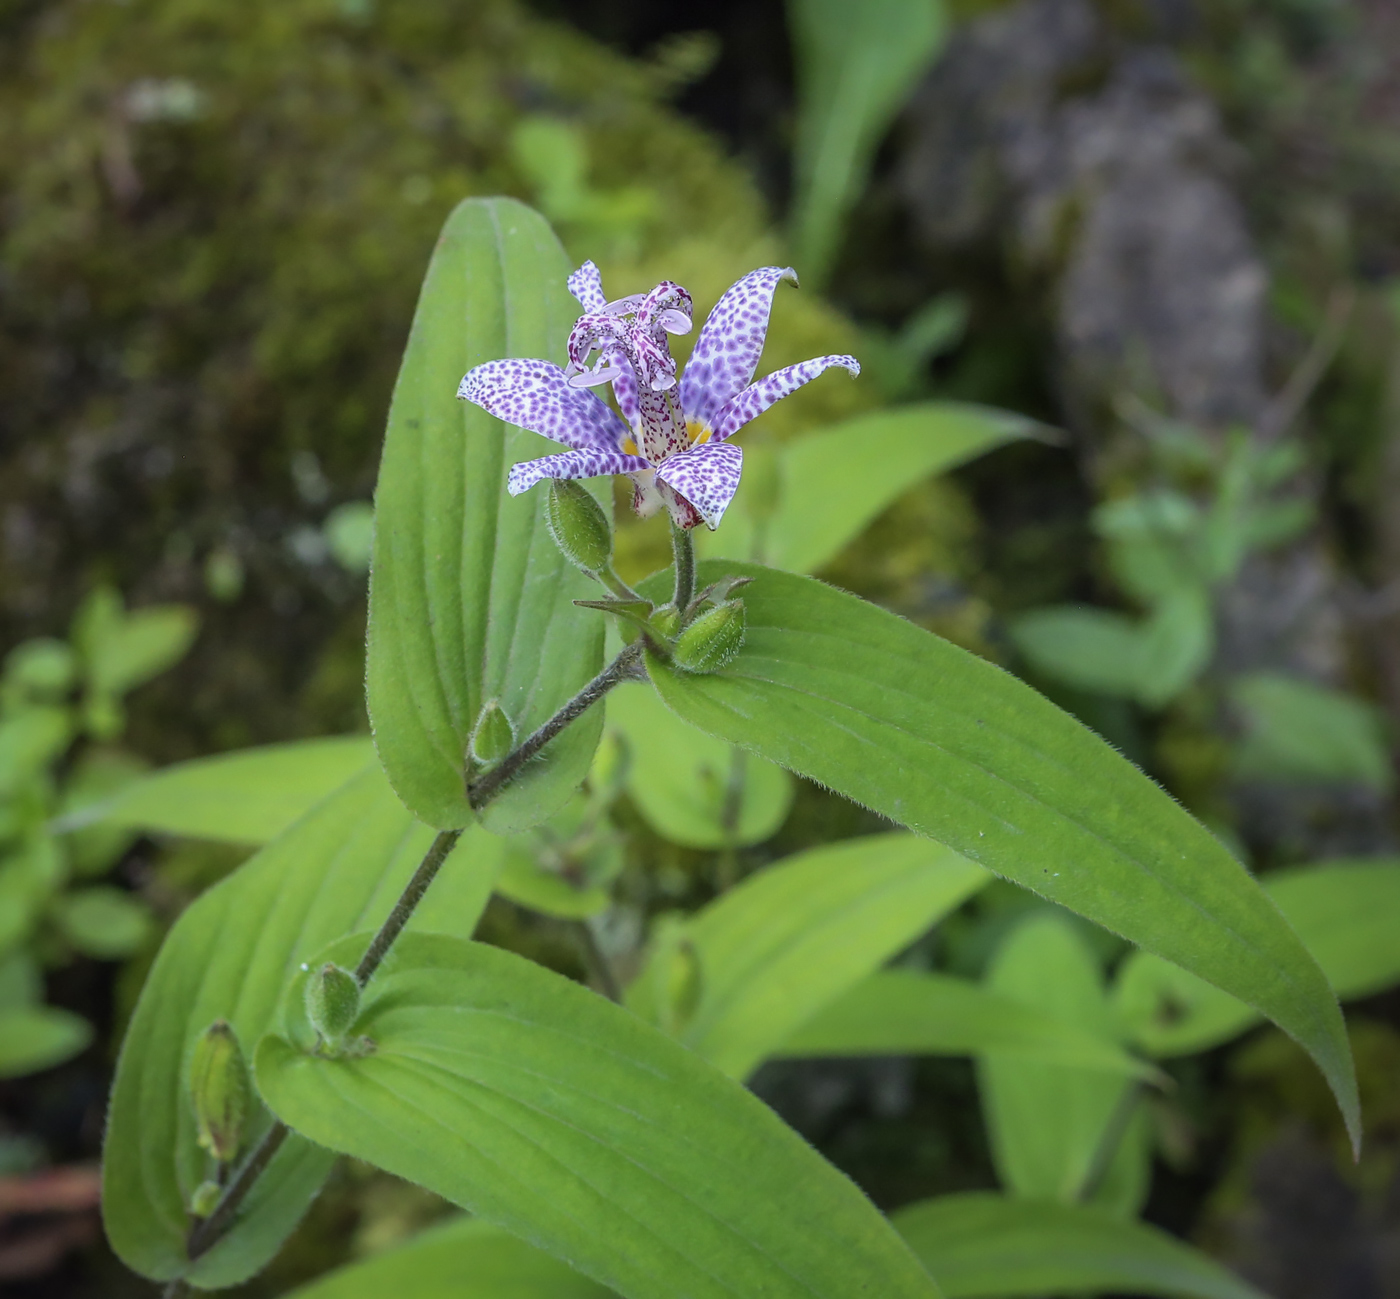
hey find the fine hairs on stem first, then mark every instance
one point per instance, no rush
(627, 665)
(683, 548)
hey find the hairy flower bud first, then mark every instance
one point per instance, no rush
(332, 1002)
(712, 640)
(666, 620)
(220, 1090)
(578, 525)
(493, 736)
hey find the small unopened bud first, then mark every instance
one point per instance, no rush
(332, 1002)
(578, 525)
(712, 640)
(220, 1089)
(206, 1196)
(666, 620)
(493, 736)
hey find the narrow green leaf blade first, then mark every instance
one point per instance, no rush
(463, 1259)
(230, 956)
(470, 599)
(908, 1012)
(837, 480)
(960, 751)
(773, 951)
(981, 1246)
(1047, 1122)
(250, 796)
(541, 1107)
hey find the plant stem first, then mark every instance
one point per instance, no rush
(683, 547)
(598, 963)
(626, 665)
(175, 1290)
(609, 578)
(404, 907)
(1109, 1140)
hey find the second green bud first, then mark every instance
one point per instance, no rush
(578, 525)
(332, 1003)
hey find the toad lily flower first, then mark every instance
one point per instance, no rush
(673, 435)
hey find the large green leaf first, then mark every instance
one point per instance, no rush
(683, 780)
(1345, 913)
(229, 956)
(1050, 1125)
(773, 951)
(463, 1259)
(550, 1111)
(470, 599)
(833, 483)
(249, 796)
(982, 1246)
(956, 749)
(855, 65)
(907, 1012)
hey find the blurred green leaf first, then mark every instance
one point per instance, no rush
(349, 533)
(548, 1110)
(39, 1037)
(982, 1246)
(97, 776)
(462, 1259)
(122, 650)
(21, 983)
(954, 748)
(1344, 912)
(29, 874)
(1048, 1122)
(855, 65)
(833, 483)
(683, 781)
(778, 947)
(29, 741)
(105, 923)
(909, 1012)
(230, 956)
(1296, 730)
(470, 599)
(248, 796)
(43, 669)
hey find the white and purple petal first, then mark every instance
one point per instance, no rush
(586, 284)
(758, 397)
(707, 476)
(572, 464)
(727, 350)
(535, 395)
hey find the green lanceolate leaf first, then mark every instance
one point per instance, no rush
(981, 1246)
(250, 796)
(1343, 911)
(470, 599)
(958, 750)
(907, 1012)
(855, 65)
(1059, 1132)
(772, 952)
(563, 1118)
(693, 789)
(463, 1259)
(230, 956)
(831, 484)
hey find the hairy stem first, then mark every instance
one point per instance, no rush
(683, 547)
(625, 666)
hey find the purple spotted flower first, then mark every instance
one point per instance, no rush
(672, 437)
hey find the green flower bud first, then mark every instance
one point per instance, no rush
(493, 736)
(206, 1196)
(578, 525)
(666, 620)
(220, 1089)
(712, 640)
(332, 1002)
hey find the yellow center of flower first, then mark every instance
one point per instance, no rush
(697, 432)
